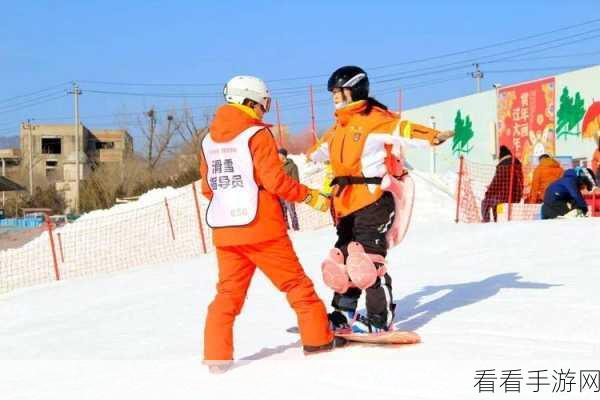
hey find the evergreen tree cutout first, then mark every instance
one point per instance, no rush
(569, 114)
(463, 133)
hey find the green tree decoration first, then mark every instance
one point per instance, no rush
(569, 114)
(463, 133)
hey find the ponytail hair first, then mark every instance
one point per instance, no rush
(371, 102)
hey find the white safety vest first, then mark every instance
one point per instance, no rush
(230, 176)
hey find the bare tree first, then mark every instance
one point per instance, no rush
(158, 136)
(190, 132)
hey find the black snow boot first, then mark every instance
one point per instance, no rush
(339, 319)
(335, 343)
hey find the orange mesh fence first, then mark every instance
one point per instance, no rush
(108, 241)
(166, 230)
(488, 192)
(172, 228)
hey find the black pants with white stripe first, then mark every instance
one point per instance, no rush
(368, 227)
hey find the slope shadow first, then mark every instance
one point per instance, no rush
(265, 353)
(411, 315)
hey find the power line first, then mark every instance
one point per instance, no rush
(387, 90)
(145, 94)
(120, 114)
(415, 61)
(423, 84)
(540, 69)
(300, 90)
(295, 106)
(297, 91)
(548, 48)
(544, 57)
(33, 93)
(497, 44)
(463, 64)
(29, 101)
(457, 65)
(215, 93)
(452, 54)
(109, 83)
(112, 116)
(33, 104)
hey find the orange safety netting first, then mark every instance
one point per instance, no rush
(168, 230)
(488, 193)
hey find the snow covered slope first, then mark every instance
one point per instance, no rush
(496, 296)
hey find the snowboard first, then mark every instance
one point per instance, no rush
(389, 337)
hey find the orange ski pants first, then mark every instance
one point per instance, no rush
(278, 261)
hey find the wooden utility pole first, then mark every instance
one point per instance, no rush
(152, 115)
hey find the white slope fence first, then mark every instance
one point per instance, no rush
(164, 225)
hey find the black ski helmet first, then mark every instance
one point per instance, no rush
(350, 77)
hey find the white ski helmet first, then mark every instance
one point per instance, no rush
(240, 88)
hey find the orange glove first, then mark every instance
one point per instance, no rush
(317, 200)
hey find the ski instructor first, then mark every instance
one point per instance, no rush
(243, 178)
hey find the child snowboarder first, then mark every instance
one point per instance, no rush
(363, 148)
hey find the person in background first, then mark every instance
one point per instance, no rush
(499, 189)
(547, 171)
(596, 162)
(291, 169)
(564, 196)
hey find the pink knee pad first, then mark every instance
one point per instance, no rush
(361, 268)
(334, 271)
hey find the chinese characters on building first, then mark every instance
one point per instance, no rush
(526, 119)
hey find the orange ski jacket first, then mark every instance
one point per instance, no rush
(548, 171)
(353, 147)
(230, 121)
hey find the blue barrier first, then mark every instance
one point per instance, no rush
(26, 222)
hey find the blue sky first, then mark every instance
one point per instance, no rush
(47, 44)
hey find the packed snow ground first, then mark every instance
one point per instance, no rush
(532, 305)
(520, 295)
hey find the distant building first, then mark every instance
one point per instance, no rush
(109, 145)
(49, 149)
(531, 118)
(10, 161)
